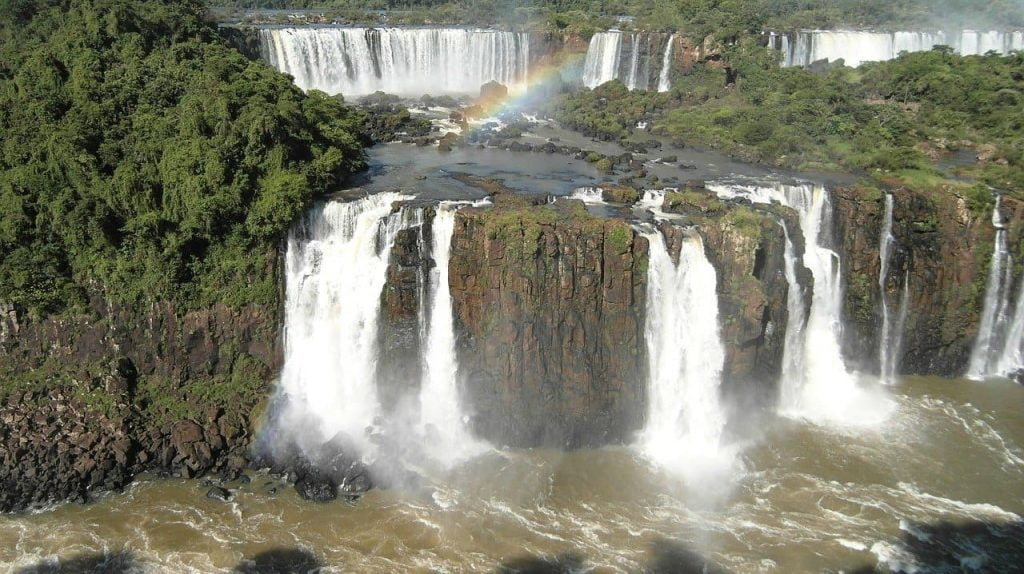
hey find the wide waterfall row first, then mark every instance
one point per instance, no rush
(641, 61)
(855, 47)
(999, 346)
(336, 268)
(406, 61)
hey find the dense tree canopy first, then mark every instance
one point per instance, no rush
(142, 157)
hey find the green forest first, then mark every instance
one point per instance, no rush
(694, 17)
(143, 158)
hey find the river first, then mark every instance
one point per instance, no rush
(941, 483)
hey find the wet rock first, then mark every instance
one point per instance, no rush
(316, 487)
(218, 493)
(551, 302)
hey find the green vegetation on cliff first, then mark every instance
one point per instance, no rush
(142, 158)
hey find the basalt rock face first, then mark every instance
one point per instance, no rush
(409, 265)
(944, 242)
(549, 304)
(747, 246)
(126, 390)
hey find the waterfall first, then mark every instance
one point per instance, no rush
(602, 63)
(685, 416)
(664, 84)
(634, 64)
(793, 350)
(818, 387)
(406, 61)
(335, 269)
(1012, 357)
(858, 46)
(589, 195)
(886, 352)
(991, 339)
(608, 60)
(441, 414)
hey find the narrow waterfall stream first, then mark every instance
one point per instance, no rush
(685, 353)
(335, 270)
(444, 421)
(664, 78)
(999, 347)
(634, 64)
(887, 353)
(793, 351)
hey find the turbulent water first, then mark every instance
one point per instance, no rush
(404, 61)
(998, 346)
(812, 499)
(855, 47)
(639, 60)
(685, 416)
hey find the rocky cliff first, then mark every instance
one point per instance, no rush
(549, 302)
(944, 242)
(747, 245)
(89, 401)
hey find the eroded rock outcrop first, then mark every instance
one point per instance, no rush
(125, 390)
(747, 246)
(944, 242)
(550, 304)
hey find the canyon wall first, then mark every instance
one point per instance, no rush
(943, 247)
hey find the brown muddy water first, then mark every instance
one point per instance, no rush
(938, 487)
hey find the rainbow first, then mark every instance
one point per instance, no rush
(540, 76)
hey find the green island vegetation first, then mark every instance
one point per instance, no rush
(891, 119)
(145, 159)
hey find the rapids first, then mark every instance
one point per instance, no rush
(811, 499)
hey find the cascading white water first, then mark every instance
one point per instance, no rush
(602, 63)
(995, 350)
(634, 64)
(1011, 359)
(793, 351)
(819, 388)
(664, 82)
(886, 352)
(858, 46)
(405, 61)
(589, 195)
(685, 417)
(441, 413)
(335, 269)
(607, 60)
